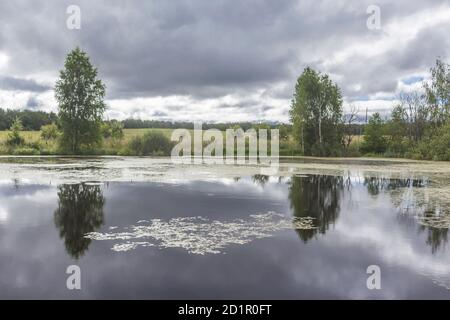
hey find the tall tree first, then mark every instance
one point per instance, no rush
(80, 97)
(417, 113)
(316, 112)
(348, 121)
(438, 93)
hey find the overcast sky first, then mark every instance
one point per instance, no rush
(221, 60)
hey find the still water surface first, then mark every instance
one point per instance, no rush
(145, 228)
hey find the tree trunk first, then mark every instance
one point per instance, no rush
(320, 130)
(303, 139)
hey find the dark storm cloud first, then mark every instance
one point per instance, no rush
(32, 103)
(176, 47)
(17, 84)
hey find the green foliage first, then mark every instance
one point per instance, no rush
(438, 93)
(436, 146)
(80, 102)
(353, 150)
(284, 131)
(49, 132)
(25, 151)
(159, 124)
(316, 113)
(374, 140)
(151, 143)
(259, 128)
(112, 129)
(14, 138)
(418, 127)
(396, 129)
(31, 120)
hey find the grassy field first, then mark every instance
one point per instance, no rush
(34, 136)
(50, 147)
(109, 146)
(288, 147)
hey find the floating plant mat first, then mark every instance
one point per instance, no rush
(54, 170)
(199, 235)
(439, 221)
(430, 205)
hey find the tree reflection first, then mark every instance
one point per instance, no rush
(410, 196)
(436, 237)
(316, 196)
(375, 185)
(80, 210)
(434, 222)
(260, 179)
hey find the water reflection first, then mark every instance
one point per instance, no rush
(320, 197)
(260, 179)
(375, 184)
(436, 238)
(80, 211)
(416, 199)
(316, 196)
(362, 218)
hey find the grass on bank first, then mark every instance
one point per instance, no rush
(149, 142)
(135, 142)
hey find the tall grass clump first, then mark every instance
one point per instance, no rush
(152, 143)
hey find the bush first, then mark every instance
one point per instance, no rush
(14, 138)
(151, 143)
(49, 132)
(25, 151)
(374, 140)
(436, 147)
(352, 150)
(112, 129)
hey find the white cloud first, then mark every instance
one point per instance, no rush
(4, 58)
(228, 108)
(393, 36)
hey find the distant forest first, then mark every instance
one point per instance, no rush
(34, 120)
(31, 120)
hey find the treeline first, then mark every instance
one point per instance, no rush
(419, 126)
(31, 120)
(34, 120)
(157, 124)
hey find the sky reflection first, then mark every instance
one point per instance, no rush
(358, 219)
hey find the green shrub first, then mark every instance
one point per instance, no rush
(14, 138)
(112, 129)
(374, 140)
(4, 150)
(151, 143)
(46, 152)
(49, 132)
(25, 151)
(352, 150)
(436, 147)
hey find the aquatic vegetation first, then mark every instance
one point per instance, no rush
(50, 170)
(199, 235)
(435, 221)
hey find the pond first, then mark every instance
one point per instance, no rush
(147, 228)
